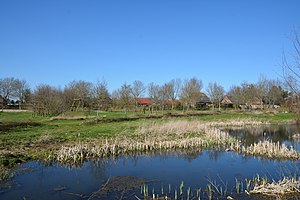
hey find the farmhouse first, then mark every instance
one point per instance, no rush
(226, 102)
(203, 102)
(144, 102)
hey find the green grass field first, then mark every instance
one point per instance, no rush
(67, 130)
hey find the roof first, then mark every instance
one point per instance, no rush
(203, 99)
(144, 101)
(226, 100)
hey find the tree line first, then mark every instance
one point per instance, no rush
(174, 94)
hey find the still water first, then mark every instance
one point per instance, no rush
(284, 134)
(196, 170)
(162, 172)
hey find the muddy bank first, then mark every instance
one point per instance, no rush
(12, 125)
(151, 116)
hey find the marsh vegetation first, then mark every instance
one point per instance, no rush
(71, 141)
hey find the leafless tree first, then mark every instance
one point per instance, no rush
(80, 90)
(275, 95)
(138, 89)
(190, 91)
(172, 90)
(154, 93)
(102, 96)
(216, 93)
(263, 87)
(48, 101)
(7, 87)
(244, 95)
(270, 91)
(21, 87)
(12, 87)
(291, 74)
(116, 99)
(165, 93)
(235, 93)
(291, 66)
(126, 95)
(27, 95)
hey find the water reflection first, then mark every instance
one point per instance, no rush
(276, 133)
(195, 168)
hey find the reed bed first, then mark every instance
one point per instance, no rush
(174, 135)
(171, 135)
(271, 150)
(286, 186)
(238, 123)
(78, 152)
(267, 149)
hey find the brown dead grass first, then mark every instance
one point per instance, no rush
(286, 186)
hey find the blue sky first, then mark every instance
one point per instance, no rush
(57, 41)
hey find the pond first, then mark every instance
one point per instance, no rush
(284, 134)
(130, 177)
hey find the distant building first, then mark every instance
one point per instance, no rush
(226, 102)
(203, 102)
(144, 102)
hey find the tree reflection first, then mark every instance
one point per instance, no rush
(98, 168)
(275, 133)
(215, 154)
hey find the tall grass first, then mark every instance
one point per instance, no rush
(271, 150)
(174, 135)
(148, 137)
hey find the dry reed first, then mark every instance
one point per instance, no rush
(271, 150)
(238, 123)
(286, 186)
(174, 135)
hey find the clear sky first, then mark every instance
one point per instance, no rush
(228, 41)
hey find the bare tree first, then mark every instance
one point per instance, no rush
(275, 95)
(172, 90)
(126, 95)
(270, 91)
(48, 101)
(21, 87)
(138, 89)
(79, 90)
(165, 93)
(263, 87)
(236, 95)
(12, 87)
(215, 93)
(154, 93)
(27, 95)
(190, 92)
(102, 96)
(7, 87)
(291, 66)
(116, 99)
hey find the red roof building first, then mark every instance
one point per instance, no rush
(144, 101)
